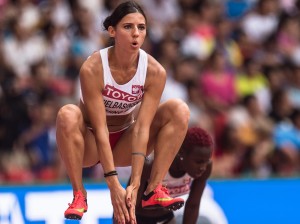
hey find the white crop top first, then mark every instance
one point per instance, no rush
(122, 99)
(177, 186)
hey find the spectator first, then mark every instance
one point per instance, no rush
(281, 106)
(276, 79)
(293, 89)
(86, 39)
(288, 38)
(228, 153)
(22, 41)
(162, 15)
(250, 79)
(185, 69)
(201, 32)
(198, 114)
(226, 43)
(254, 131)
(216, 84)
(259, 23)
(37, 140)
(287, 142)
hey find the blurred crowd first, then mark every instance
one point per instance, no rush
(235, 62)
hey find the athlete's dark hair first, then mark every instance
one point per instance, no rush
(197, 136)
(120, 11)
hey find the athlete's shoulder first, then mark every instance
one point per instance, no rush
(155, 68)
(92, 65)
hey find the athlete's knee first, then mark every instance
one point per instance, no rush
(180, 111)
(68, 117)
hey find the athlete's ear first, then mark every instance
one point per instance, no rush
(111, 31)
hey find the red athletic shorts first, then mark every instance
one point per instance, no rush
(113, 136)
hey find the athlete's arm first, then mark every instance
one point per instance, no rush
(91, 79)
(154, 85)
(192, 205)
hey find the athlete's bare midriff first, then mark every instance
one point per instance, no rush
(114, 123)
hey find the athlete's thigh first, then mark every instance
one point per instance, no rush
(91, 156)
(123, 149)
(163, 114)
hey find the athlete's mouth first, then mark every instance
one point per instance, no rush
(134, 43)
(198, 174)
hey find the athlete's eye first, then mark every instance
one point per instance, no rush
(142, 27)
(127, 27)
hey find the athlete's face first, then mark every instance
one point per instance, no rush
(130, 32)
(196, 163)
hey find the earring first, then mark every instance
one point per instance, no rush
(180, 157)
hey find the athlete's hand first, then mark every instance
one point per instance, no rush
(131, 194)
(118, 196)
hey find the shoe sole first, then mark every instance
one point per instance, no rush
(172, 207)
(74, 216)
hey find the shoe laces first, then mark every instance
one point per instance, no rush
(77, 200)
(165, 190)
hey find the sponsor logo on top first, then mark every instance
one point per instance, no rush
(136, 89)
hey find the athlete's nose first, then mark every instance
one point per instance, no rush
(201, 168)
(136, 31)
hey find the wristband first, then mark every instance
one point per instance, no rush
(139, 154)
(111, 173)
